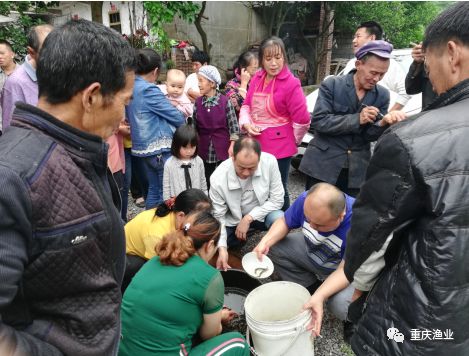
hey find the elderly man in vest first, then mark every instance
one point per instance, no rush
(247, 193)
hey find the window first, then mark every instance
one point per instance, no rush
(115, 21)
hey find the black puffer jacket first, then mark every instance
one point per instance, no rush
(419, 175)
(61, 241)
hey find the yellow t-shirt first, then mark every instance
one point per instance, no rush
(145, 230)
(127, 142)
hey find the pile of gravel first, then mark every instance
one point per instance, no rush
(331, 343)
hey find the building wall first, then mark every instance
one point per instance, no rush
(71, 9)
(124, 8)
(231, 27)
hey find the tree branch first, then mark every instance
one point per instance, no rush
(198, 25)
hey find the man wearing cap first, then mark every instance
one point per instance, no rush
(351, 112)
(394, 79)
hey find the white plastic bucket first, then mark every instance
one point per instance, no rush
(276, 320)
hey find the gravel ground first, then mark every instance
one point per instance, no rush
(331, 343)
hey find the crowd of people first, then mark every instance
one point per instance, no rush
(382, 239)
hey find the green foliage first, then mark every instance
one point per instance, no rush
(164, 12)
(16, 32)
(346, 350)
(403, 21)
(170, 64)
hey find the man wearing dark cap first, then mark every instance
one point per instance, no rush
(394, 79)
(351, 112)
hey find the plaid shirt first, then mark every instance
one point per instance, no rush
(232, 92)
(231, 122)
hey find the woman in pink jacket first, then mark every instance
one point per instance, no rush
(274, 111)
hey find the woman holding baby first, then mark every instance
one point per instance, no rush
(153, 121)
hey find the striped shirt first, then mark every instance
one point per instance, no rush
(325, 249)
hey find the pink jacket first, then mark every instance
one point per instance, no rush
(289, 101)
(115, 153)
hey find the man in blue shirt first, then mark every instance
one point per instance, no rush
(308, 257)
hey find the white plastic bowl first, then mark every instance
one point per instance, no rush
(256, 268)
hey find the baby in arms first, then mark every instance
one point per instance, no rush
(174, 91)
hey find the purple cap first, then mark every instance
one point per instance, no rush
(379, 48)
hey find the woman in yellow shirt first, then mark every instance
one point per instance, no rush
(144, 231)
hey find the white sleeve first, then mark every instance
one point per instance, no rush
(220, 209)
(192, 83)
(350, 66)
(365, 277)
(394, 80)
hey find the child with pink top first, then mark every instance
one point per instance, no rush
(274, 111)
(174, 91)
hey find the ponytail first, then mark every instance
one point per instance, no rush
(147, 60)
(165, 208)
(177, 247)
(187, 201)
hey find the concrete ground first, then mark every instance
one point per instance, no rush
(331, 343)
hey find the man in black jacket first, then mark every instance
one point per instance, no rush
(417, 80)
(410, 228)
(62, 246)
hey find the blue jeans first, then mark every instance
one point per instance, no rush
(154, 168)
(255, 225)
(284, 168)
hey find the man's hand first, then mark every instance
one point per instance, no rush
(252, 130)
(222, 261)
(417, 53)
(261, 249)
(368, 115)
(393, 117)
(243, 227)
(316, 304)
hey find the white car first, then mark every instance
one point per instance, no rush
(413, 106)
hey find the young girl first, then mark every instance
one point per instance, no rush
(215, 120)
(184, 169)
